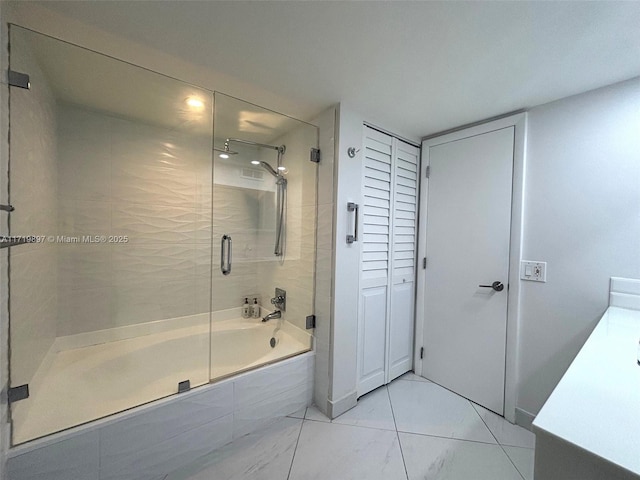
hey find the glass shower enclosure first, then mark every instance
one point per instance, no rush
(146, 211)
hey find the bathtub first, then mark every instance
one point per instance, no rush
(240, 345)
(113, 370)
(143, 364)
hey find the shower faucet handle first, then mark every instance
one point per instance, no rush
(280, 300)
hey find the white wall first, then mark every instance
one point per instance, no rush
(344, 334)
(582, 216)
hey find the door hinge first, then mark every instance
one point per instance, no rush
(311, 322)
(421, 353)
(427, 171)
(18, 393)
(17, 79)
(315, 155)
(424, 262)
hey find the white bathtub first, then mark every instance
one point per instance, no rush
(119, 376)
(239, 345)
(113, 370)
(152, 440)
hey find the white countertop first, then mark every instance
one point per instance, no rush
(596, 405)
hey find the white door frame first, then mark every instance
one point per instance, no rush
(519, 121)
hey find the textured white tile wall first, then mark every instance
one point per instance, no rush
(153, 185)
(297, 274)
(119, 177)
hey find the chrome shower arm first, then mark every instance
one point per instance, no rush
(280, 148)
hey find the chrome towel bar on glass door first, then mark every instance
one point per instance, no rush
(225, 254)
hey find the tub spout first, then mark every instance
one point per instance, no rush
(272, 315)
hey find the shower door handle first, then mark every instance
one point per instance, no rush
(225, 254)
(353, 207)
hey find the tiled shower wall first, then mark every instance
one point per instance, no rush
(296, 274)
(33, 192)
(153, 185)
(119, 177)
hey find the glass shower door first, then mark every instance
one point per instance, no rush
(264, 207)
(110, 173)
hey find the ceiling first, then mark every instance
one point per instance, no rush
(414, 67)
(94, 81)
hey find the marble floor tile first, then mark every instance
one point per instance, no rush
(262, 455)
(332, 451)
(433, 458)
(314, 414)
(427, 408)
(299, 414)
(373, 410)
(522, 458)
(412, 376)
(506, 433)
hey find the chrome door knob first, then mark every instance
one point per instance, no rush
(497, 286)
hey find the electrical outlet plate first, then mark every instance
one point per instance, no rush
(533, 271)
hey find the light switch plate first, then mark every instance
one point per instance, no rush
(533, 271)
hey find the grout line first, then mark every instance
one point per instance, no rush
(295, 449)
(497, 441)
(397, 433)
(330, 421)
(448, 438)
(411, 380)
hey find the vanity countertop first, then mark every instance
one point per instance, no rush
(596, 405)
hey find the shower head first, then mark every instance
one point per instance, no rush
(224, 152)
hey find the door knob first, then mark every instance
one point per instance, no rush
(497, 286)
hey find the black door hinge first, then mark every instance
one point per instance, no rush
(311, 322)
(315, 155)
(18, 393)
(421, 353)
(184, 386)
(17, 79)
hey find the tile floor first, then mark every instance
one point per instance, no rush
(411, 429)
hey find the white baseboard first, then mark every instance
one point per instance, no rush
(524, 418)
(338, 407)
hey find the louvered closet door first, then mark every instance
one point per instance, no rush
(387, 277)
(403, 259)
(374, 260)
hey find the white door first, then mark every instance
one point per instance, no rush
(403, 259)
(376, 210)
(388, 258)
(467, 246)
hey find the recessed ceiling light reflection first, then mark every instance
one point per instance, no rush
(195, 102)
(255, 162)
(224, 155)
